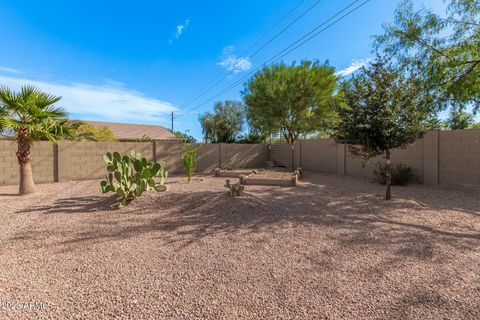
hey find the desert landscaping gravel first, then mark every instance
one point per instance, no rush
(331, 248)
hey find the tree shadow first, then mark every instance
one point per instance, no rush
(359, 215)
(75, 205)
(9, 195)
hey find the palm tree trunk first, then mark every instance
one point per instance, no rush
(27, 185)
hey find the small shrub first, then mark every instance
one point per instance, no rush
(130, 176)
(235, 189)
(401, 174)
(190, 161)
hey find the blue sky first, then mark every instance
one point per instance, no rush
(138, 61)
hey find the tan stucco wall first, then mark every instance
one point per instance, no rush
(441, 157)
(83, 160)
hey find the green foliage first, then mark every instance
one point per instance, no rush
(442, 51)
(185, 137)
(190, 160)
(130, 176)
(433, 123)
(224, 124)
(32, 112)
(86, 132)
(381, 110)
(294, 100)
(143, 138)
(252, 138)
(234, 189)
(460, 119)
(401, 174)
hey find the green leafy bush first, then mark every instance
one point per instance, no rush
(190, 160)
(130, 176)
(401, 174)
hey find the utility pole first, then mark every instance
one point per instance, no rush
(172, 121)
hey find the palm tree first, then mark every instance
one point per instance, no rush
(30, 116)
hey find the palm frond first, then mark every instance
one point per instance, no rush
(33, 110)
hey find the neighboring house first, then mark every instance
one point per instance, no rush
(132, 132)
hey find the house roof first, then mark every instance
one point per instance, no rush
(130, 131)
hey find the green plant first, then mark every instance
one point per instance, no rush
(130, 176)
(84, 131)
(185, 137)
(190, 160)
(440, 48)
(225, 123)
(401, 174)
(294, 100)
(30, 115)
(381, 110)
(235, 189)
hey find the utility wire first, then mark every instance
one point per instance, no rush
(307, 37)
(207, 87)
(219, 79)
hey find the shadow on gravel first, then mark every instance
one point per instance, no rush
(356, 217)
(84, 204)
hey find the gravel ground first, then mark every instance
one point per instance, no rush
(330, 248)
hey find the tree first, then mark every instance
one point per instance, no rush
(443, 51)
(185, 137)
(225, 124)
(31, 116)
(294, 100)
(460, 119)
(381, 110)
(84, 131)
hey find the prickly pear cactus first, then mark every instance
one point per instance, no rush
(235, 189)
(130, 176)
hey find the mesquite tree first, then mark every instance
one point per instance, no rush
(29, 115)
(381, 110)
(295, 99)
(442, 49)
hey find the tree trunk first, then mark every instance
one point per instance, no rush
(388, 175)
(27, 185)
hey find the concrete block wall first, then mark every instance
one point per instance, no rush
(431, 148)
(319, 155)
(441, 157)
(459, 157)
(171, 153)
(243, 155)
(410, 156)
(83, 160)
(42, 166)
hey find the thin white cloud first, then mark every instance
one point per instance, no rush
(231, 62)
(354, 66)
(110, 101)
(180, 29)
(10, 70)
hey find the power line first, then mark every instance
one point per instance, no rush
(220, 79)
(307, 37)
(273, 27)
(215, 81)
(286, 28)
